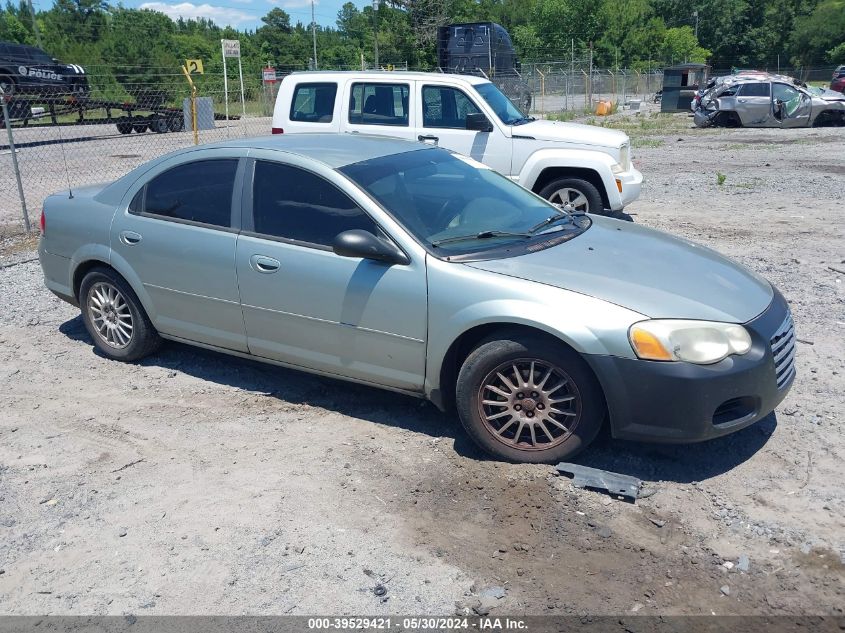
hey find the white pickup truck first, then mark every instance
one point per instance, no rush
(586, 166)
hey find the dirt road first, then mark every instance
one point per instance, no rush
(197, 483)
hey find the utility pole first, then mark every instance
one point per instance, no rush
(375, 30)
(314, 33)
(695, 15)
(34, 24)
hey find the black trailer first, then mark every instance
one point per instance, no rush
(483, 48)
(148, 112)
(680, 84)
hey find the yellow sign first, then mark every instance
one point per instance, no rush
(194, 66)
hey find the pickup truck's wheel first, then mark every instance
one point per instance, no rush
(582, 195)
(115, 318)
(525, 400)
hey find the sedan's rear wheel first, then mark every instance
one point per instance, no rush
(526, 400)
(115, 318)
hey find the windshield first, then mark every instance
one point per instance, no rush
(502, 106)
(453, 204)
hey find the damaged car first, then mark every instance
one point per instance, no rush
(756, 100)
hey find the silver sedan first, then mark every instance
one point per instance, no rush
(410, 268)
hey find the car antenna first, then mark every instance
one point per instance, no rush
(64, 159)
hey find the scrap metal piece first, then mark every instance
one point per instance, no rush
(602, 480)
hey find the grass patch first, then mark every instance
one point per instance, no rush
(720, 178)
(650, 142)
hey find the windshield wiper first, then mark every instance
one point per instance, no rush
(483, 235)
(525, 119)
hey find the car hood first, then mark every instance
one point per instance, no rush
(571, 133)
(644, 270)
(831, 95)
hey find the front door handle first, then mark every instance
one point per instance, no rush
(425, 138)
(741, 100)
(130, 237)
(264, 264)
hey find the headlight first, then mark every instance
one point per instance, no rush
(625, 156)
(700, 342)
(616, 168)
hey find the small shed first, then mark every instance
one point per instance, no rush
(680, 83)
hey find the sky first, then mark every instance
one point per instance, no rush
(241, 14)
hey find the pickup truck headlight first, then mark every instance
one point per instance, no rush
(616, 168)
(625, 156)
(700, 342)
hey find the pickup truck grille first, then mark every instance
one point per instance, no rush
(783, 351)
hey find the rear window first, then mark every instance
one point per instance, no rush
(313, 103)
(754, 90)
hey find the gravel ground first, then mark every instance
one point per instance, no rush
(197, 483)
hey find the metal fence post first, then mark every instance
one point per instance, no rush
(7, 120)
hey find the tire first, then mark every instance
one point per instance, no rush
(140, 126)
(7, 84)
(525, 101)
(103, 286)
(124, 125)
(574, 190)
(176, 123)
(569, 403)
(158, 125)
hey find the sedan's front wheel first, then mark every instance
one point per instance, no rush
(525, 399)
(114, 317)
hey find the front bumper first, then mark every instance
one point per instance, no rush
(632, 184)
(683, 402)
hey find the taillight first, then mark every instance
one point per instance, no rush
(42, 223)
(278, 130)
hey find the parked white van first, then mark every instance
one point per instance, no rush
(587, 166)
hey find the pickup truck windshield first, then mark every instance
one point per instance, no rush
(504, 108)
(454, 205)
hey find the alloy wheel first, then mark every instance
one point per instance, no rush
(110, 315)
(529, 404)
(573, 197)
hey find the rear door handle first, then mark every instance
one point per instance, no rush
(264, 264)
(741, 100)
(426, 138)
(130, 237)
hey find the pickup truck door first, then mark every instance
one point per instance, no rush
(378, 107)
(441, 111)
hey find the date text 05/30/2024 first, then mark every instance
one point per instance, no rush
(416, 623)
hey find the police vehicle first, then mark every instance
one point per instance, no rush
(29, 70)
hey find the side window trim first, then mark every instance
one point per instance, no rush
(248, 218)
(234, 215)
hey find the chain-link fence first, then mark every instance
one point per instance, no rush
(67, 139)
(563, 86)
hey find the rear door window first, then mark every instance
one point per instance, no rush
(198, 192)
(313, 103)
(379, 104)
(754, 90)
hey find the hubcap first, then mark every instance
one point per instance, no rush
(529, 404)
(574, 197)
(110, 315)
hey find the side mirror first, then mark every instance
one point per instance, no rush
(478, 122)
(363, 244)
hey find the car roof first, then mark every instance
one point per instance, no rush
(386, 74)
(335, 150)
